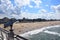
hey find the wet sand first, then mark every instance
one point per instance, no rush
(20, 28)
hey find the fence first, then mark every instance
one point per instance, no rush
(4, 35)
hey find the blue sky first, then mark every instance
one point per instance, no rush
(48, 9)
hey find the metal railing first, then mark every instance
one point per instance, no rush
(9, 35)
(6, 35)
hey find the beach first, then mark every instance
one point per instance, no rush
(20, 28)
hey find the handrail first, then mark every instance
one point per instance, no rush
(3, 30)
(21, 37)
(17, 36)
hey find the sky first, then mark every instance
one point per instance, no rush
(30, 9)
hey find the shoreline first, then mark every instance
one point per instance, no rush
(26, 27)
(20, 28)
(33, 32)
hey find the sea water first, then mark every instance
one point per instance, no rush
(46, 33)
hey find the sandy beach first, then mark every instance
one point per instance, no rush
(20, 28)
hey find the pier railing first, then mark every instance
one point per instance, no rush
(5, 35)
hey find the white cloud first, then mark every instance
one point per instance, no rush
(14, 11)
(4, 15)
(42, 11)
(39, 15)
(42, 14)
(21, 3)
(7, 7)
(37, 2)
(56, 8)
(29, 15)
(56, 11)
(30, 6)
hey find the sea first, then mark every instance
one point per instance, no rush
(46, 33)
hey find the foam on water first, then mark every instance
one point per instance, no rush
(50, 32)
(27, 34)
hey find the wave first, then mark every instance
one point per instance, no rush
(30, 33)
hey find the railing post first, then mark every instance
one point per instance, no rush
(11, 34)
(2, 36)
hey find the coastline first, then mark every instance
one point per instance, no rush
(44, 29)
(20, 28)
